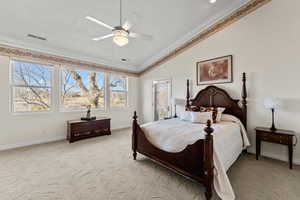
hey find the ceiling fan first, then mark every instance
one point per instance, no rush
(121, 33)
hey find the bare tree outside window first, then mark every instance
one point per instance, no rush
(118, 90)
(81, 88)
(31, 86)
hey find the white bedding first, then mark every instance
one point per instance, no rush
(230, 139)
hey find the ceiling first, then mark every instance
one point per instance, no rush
(68, 33)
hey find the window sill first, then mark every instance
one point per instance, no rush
(119, 108)
(84, 111)
(100, 112)
(32, 113)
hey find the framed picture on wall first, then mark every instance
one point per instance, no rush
(214, 71)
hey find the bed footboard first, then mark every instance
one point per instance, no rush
(194, 162)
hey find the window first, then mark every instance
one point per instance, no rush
(80, 88)
(31, 86)
(118, 90)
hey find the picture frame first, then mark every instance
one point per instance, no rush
(214, 71)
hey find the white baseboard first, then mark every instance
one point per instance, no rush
(120, 129)
(35, 142)
(276, 156)
(42, 141)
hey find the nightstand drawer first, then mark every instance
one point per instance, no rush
(275, 138)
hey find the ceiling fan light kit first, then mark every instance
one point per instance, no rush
(120, 36)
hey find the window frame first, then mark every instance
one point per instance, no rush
(126, 92)
(60, 82)
(56, 88)
(12, 86)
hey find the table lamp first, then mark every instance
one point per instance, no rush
(175, 102)
(272, 103)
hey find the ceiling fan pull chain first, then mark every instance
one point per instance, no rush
(120, 12)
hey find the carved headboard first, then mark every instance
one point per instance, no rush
(213, 96)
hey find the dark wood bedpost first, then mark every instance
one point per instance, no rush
(208, 160)
(244, 101)
(187, 105)
(134, 135)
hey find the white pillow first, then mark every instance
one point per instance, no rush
(185, 116)
(201, 117)
(219, 114)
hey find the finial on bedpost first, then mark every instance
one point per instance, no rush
(134, 116)
(187, 94)
(244, 100)
(209, 129)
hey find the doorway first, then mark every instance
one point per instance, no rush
(161, 99)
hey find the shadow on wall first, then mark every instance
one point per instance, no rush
(291, 105)
(252, 78)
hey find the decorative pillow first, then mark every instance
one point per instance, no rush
(201, 117)
(185, 116)
(206, 109)
(216, 112)
(194, 108)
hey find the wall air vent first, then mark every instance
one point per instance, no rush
(36, 37)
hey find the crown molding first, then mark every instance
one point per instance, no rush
(202, 26)
(221, 24)
(61, 60)
(15, 42)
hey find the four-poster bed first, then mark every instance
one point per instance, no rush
(196, 160)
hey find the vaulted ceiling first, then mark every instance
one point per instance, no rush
(68, 33)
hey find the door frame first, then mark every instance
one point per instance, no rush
(153, 95)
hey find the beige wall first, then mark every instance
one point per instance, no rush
(265, 45)
(26, 129)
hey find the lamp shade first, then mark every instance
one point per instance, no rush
(272, 102)
(176, 101)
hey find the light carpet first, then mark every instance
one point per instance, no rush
(102, 169)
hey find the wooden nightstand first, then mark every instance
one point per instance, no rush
(284, 137)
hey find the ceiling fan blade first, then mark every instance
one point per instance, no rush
(127, 25)
(99, 22)
(141, 35)
(103, 37)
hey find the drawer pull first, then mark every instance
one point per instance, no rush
(82, 133)
(295, 141)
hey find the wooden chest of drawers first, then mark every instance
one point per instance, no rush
(78, 129)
